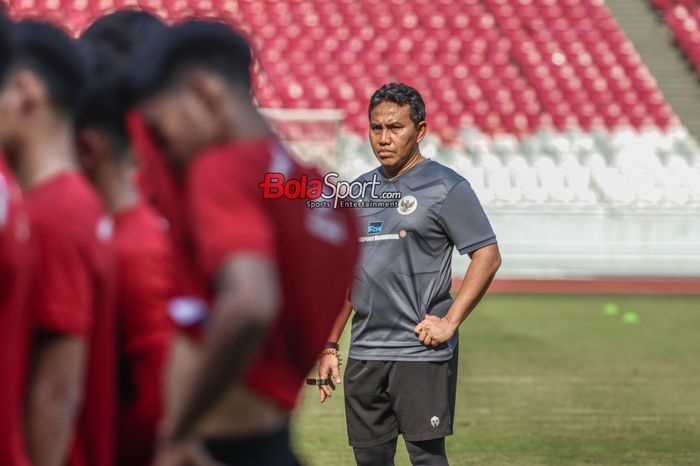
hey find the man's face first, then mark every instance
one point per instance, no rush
(180, 123)
(393, 135)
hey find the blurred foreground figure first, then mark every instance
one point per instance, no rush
(275, 271)
(70, 405)
(143, 253)
(14, 317)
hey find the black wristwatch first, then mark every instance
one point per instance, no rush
(331, 345)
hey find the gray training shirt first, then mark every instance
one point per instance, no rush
(405, 267)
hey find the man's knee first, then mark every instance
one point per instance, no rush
(427, 452)
(380, 455)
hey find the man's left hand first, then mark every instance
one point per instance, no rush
(434, 331)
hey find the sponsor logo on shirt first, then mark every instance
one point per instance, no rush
(188, 310)
(377, 237)
(435, 421)
(374, 228)
(104, 229)
(407, 205)
(328, 192)
(365, 239)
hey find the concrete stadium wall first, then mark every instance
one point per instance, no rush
(599, 241)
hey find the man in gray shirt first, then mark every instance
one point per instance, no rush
(402, 367)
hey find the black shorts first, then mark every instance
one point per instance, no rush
(386, 398)
(270, 449)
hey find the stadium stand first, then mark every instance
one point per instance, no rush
(683, 19)
(544, 105)
(498, 65)
(566, 168)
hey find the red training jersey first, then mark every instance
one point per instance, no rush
(163, 189)
(14, 318)
(74, 296)
(315, 251)
(145, 288)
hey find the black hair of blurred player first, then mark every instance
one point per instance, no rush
(194, 87)
(108, 45)
(50, 54)
(5, 43)
(40, 92)
(104, 151)
(123, 31)
(107, 95)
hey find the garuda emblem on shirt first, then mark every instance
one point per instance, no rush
(407, 205)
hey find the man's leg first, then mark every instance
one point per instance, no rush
(422, 395)
(372, 425)
(427, 452)
(379, 455)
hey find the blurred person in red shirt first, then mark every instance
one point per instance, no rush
(273, 269)
(71, 393)
(15, 261)
(143, 255)
(124, 32)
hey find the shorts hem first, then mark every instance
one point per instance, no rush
(394, 358)
(426, 436)
(373, 442)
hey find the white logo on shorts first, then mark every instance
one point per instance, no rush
(435, 421)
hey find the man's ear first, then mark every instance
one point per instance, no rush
(90, 148)
(30, 90)
(422, 130)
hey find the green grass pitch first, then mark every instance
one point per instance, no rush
(557, 380)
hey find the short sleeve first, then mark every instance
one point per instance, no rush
(65, 289)
(227, 213)
(464, 220)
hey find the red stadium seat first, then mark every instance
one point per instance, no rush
(503, 65)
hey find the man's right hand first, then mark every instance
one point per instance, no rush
(328, 368)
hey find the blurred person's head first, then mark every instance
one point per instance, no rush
(123, 31)
(41, 87)
(101, 134)
(397, 126)
(193, 82)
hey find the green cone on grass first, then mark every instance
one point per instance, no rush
(611, 309)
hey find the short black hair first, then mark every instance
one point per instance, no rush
(123, 31)
(401, 94)
(54, 57)
(5, 43)
(207, 45)
(107, 96)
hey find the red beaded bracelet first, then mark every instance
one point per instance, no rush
(329, 352)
